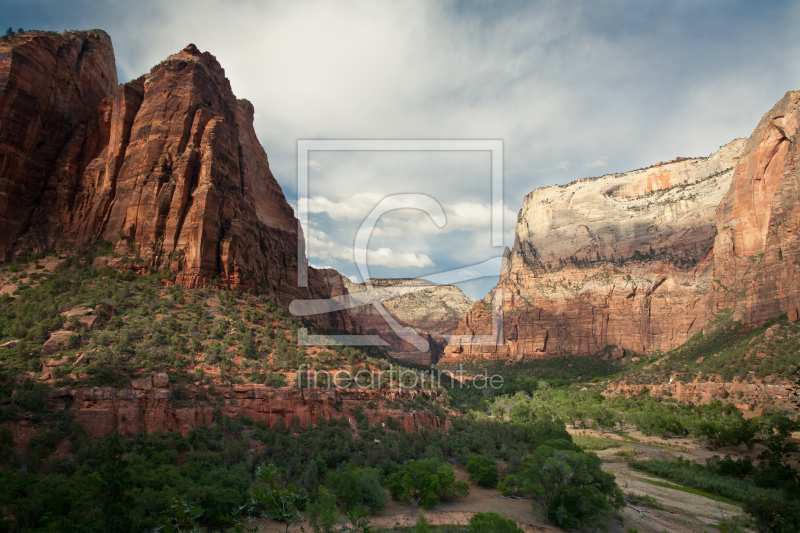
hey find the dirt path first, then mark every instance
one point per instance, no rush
(682, 512)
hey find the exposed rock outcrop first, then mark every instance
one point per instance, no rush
(147, 407)
(49, 84)
(644, 260)
(624, 259)
(750, 398)
(167, 167)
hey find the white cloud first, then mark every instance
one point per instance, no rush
(389, 258)
(571, 88)
(321, 247)
(461, 216)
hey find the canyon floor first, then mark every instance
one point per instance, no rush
(671, 507)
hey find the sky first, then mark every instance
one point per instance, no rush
(573, 89)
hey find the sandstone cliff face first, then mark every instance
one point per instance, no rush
(624, 259)
(757, 250)
(150, 406)
(167, 167)
(644, 260)
(433, 312)
(49, 84)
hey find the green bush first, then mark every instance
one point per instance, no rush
(357, 488)
(482, 470)
(492, 523)
(570, 484)
(426, 482)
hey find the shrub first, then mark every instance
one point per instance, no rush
(482, 470)
(426, 482)
(571, 485)
(357, 488)
(323, 514)
(492, 523)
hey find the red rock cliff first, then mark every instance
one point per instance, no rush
(153, 406)
(49, 84)
(167, 167)
(757, 249)
(645, 259)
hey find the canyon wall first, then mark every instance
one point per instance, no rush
(150, 404)
(624, 259)
(645, 259)
(757, 249)
(49, 84)
(167, 167)
(432, 311)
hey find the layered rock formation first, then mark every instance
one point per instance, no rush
(49, 84)
(151, 405)
(644, 260)
(757, 249)
(750, 398)
(433, 312)
(624, 259)
(167, 167)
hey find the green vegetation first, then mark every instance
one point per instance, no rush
(483, 471)
(426, 482)
(727, 349)
(492, 523)
(62, 480)
(569, 483)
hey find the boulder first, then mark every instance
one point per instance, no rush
(145, 383)
(9, 344)
(56, 342)
(160, 380)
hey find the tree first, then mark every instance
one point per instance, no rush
(571, 485)
(323, 514)
(425, 482)
(492, 523)
(357, 488)
(112, 482)
(482, 470)
(282, 499)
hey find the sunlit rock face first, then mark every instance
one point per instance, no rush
(645, 259)
(167, 167)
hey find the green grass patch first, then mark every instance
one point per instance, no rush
(596, 443)
(690, 490)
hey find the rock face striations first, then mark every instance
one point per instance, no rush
(50, 85)
(757, 249)
(645, 259)
(167, 167)
(433, 312)
(624, 259)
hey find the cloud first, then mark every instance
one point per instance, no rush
(461, 216)
(321, 247)
(571, 89)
